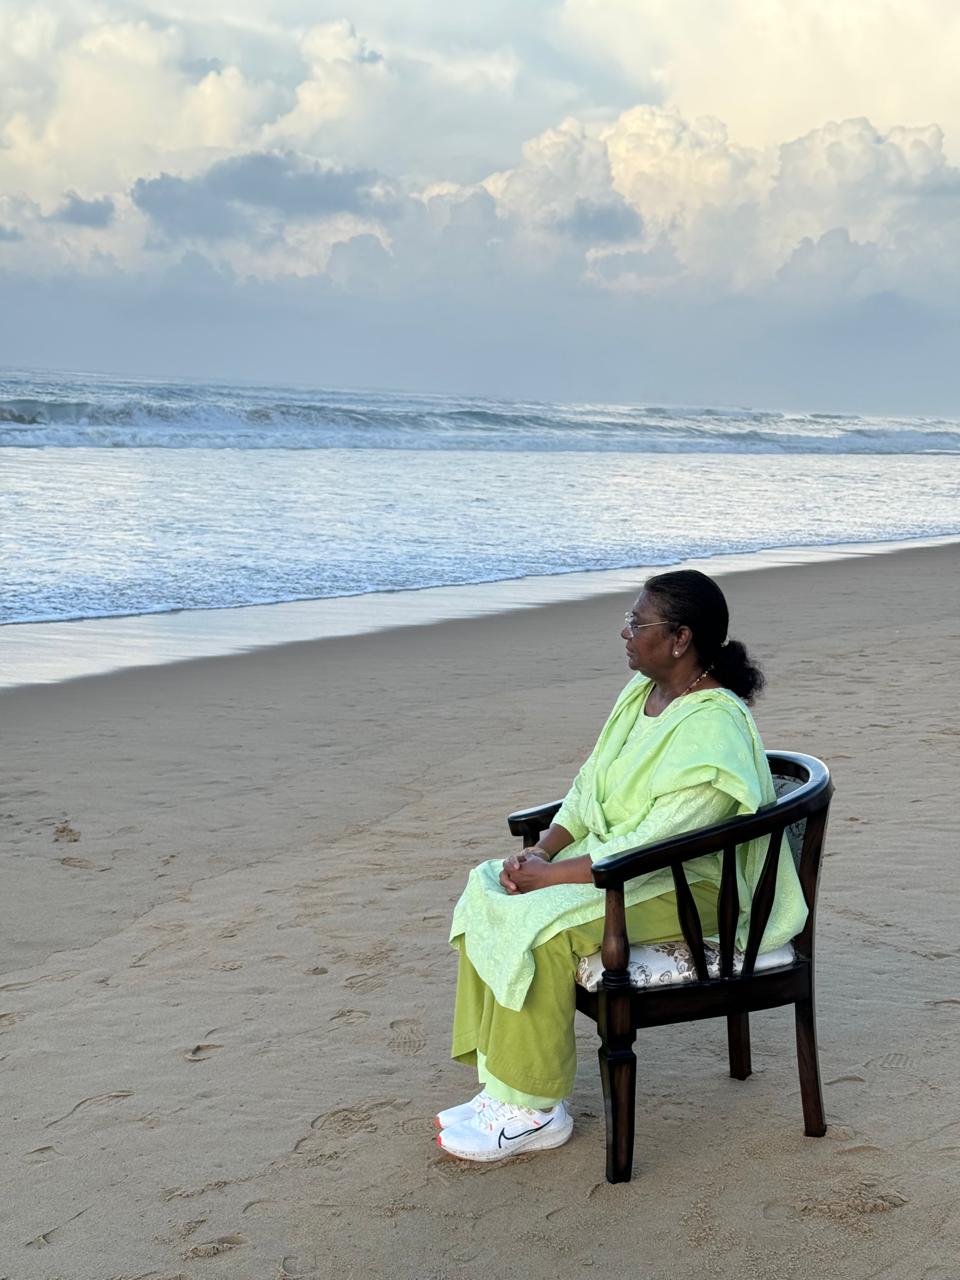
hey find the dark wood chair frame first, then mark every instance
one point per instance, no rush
(619, 1009)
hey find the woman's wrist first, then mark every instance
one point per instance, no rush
(574, 871)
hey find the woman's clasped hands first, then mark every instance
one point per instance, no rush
(523, 872)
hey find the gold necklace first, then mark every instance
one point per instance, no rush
(705, 672)
(690, 686)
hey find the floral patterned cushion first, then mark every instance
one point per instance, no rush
(666, 963)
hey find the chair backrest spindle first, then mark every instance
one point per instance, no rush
(762, 903)
(689, 920)
(809, 872)
(728, 910)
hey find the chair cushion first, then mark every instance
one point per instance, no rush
(668, 963)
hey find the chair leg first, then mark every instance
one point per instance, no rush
(618, 1075)
(808, 1061)
(738, 1043)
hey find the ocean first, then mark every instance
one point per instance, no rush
(123, 497)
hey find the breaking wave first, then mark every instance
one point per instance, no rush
(124, 416)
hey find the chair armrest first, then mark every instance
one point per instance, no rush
(609, 873)
(530, 822)
(812, 797)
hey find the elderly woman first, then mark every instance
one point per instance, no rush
(679, 751)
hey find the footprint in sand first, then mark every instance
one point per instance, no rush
(848, 1205)
(261, 1206)
(232, 928)
(44, 1238)
(345, 1121)
(408, 1039)
(780, 1211)
(44, 977)
(200, 1052)
(364, 982)
(118, 1095)
(891, 1061)
(7, 1020)
(213, 1248)
(349, 1017)
(418, 1127)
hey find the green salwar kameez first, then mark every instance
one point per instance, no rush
(697, 763)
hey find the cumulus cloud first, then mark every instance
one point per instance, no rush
(609, 222)
(219, 202)
(294, 186)
(779, 69)
(187, 207)
(360, 262)
(94, 103)
(559, 167)
(78, 212)
(634, 269)
(826, 266)
(712, 216)
(344, 78)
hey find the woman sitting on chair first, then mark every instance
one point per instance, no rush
(680, 751)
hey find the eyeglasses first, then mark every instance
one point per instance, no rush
(635, 626)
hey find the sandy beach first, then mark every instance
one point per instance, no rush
(225, 984)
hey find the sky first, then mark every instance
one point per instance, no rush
(681, 201)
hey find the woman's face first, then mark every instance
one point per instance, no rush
(648, 638)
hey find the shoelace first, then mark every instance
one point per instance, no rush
(496, 1114)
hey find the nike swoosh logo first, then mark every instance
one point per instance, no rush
(537, 1128)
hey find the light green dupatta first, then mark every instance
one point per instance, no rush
(635, 778)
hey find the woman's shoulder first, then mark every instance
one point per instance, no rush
(720, 697)
(719, 709)
(714, 740)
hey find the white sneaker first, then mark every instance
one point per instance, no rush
(466, 1111)
(500, 1130)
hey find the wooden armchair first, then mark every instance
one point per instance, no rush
(730, 986)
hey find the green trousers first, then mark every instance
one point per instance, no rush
(532, 1051)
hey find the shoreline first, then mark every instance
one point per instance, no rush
(44, 653)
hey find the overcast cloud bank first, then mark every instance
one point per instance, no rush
(561, 209)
